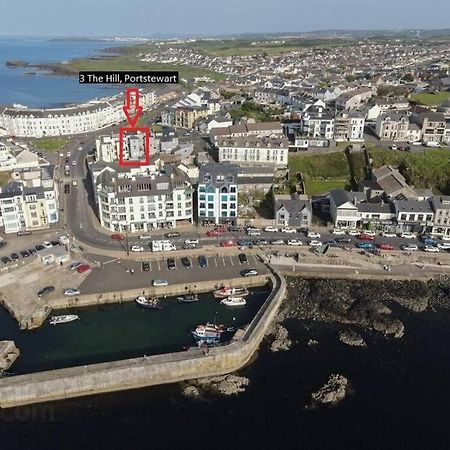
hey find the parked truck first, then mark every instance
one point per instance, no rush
(162, 246)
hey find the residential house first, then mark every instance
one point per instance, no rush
(354, 99)
(414, 215)
(343, 210)
(217, 200)
(349, 126)
(441, 208)
(292, 210)
(432, 125)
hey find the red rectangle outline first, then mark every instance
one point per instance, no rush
(134, 163)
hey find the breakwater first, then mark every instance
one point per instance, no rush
(145, 371)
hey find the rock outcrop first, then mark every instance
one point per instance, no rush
(224, 385)
(352, 338)
(333, 391)
(282, 341)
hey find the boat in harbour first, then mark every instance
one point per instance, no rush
(233, 300)
(151, 303)
(227, 291)
(55, 320)
(188, 298)
(208, 332)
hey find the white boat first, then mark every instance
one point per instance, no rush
(226, 291)
(188, 298)
(234, 301)
(55, 320)
(152, 303)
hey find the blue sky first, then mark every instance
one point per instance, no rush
(148, 17)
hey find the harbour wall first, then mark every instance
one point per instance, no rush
(147, 371)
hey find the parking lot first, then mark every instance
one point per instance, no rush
(118, 275)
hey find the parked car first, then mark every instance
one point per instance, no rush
(189, 246)
(145, 237)
(145, 267)
(242, 258)
(384, 246)
(23, 233)
(171, 264)
(24, 253)
(202, 261)
(407, 235)
(337, 231)
(353, 232)
(46, 290)
(172, 234)
(71, 291)
(365, 237)
(3, 244)
(14, 256)
(288, 230)
(314, 243)
(261, 242)
(270, 229)
(191, 241)
(431, 249)
(409, 247)
(253, 232)
(32, 251)
(277, 242)
(55, 243)
(364, 245)
(245, 243)
(228, 243)
(444, 246)
(39, 247)
(137, 248)
(332, 243)
(214, 233)
(430, 242)
(83, 268)
(5, 259)
(313, 235)
(47, 244)
(74, 265)
(445, 238)
(160, 283)
(186, 262)
(343, 240)
(235, 229)
(369, 232)
(117, 237)
(389, 234)
(294, 242)
(249, 273)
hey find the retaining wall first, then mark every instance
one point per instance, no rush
(147, 371)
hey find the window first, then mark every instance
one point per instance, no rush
(210, 205)
(202, 205)
(403, 217)
(233, 189)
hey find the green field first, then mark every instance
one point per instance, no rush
(254, 111)
(131, 62)
(430, 99)
(321, 172)
(50, 144)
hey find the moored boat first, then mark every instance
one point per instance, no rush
(151, 303)
(208, 332)
(226, 291)
(234, 301)
(188, 298)
(55, 320)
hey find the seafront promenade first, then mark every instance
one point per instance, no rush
(146, 371)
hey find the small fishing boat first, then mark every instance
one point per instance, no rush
(234, 301)
(56, 320)
(151, 303)
(226, 291)
(208, 332)
(188, 298)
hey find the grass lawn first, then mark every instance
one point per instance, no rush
(50, 144)
(4, 177)
(430, 99)
(316, 186)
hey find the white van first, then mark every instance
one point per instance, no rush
(162, 246)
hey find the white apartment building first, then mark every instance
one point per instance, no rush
(349, 126)
(128, 200)
(107, 148)
(30, 201)
(92, 116)
(217, 200)
(254, 151)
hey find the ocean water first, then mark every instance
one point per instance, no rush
(42, 90)
(400, 398)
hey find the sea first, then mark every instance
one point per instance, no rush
(399, 398)
(43, 90)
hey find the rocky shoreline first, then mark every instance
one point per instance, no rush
(332, 392)
(366, 303)
(222, 385)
